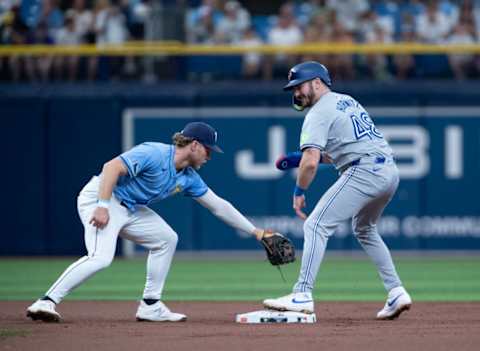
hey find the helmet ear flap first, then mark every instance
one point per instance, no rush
(297, 103)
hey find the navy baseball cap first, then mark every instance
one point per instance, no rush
(203, 133)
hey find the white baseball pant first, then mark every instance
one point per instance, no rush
(143, 227)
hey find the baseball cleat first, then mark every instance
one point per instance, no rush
(44, 311)
(296, 302)
(158, 312)
(398, 301)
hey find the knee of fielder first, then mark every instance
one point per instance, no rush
(100, 262)
(166, 241)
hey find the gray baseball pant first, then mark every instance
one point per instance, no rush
(361, 193)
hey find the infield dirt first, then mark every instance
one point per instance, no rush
(93, 325)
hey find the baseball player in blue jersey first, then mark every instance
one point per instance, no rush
(338, 130)
(116, 203)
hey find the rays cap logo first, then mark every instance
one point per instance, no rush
(204, 134)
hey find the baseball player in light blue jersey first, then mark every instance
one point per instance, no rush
(339, 130)
(116, 203)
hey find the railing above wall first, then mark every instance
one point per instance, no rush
(173, 48)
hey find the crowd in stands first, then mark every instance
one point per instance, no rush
(228, 22)
(75, 22)
(345, 21)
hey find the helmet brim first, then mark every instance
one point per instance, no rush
(292, 85)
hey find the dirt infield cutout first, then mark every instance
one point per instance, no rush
(94, 325)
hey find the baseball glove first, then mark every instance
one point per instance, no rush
(279, 249)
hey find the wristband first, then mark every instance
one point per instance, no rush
(298, 191)
(103, 203)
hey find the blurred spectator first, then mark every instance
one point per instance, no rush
(138, 13)
(412, 7)
(42, 65)
(16, 33)
(466, 15)
(251, 61)
(407, 24)
(100, 11)
(201, 22)
(450, 10)
(348, 12)
(341, 66)
(83, 20)
(232, 26)
(110, 28)
(461, 64)
(6, 6)
(110, 24)
(308, 10)
(286, 33)
(370, 21)
(52, 16)
(374, 29)
(70, 37)
(476, 16)
(7, 17)
(377, 63)
(203, 30)
(405, 63)
(322, 25)
(317, 32)
(433, 26)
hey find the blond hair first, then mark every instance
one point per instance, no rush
(181, 140)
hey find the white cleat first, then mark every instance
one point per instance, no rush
(296, 302)
(158, 312)
(398, 301)
(43, 310)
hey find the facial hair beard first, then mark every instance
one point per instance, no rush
(307, 100)
(310, 95)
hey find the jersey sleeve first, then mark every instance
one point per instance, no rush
(138, 159)
(315, 131)
(196, 187)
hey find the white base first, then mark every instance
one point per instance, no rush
(268, 316)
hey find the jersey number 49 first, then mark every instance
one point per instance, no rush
(363, 127)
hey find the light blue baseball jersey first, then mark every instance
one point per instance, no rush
(340, 126)
(152, 176)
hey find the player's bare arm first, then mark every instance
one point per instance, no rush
(306, 172)
(325, 158)
(111, 171)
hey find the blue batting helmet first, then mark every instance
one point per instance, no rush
(306, 71)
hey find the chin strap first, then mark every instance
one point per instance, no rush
(297, 104)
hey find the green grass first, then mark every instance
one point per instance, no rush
(4, 333)
(340, 279)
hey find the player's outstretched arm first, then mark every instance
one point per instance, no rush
(225, 211)
(279, 249)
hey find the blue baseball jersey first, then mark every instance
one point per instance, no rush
(152, 176)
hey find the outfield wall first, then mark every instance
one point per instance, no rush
(55, 138)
